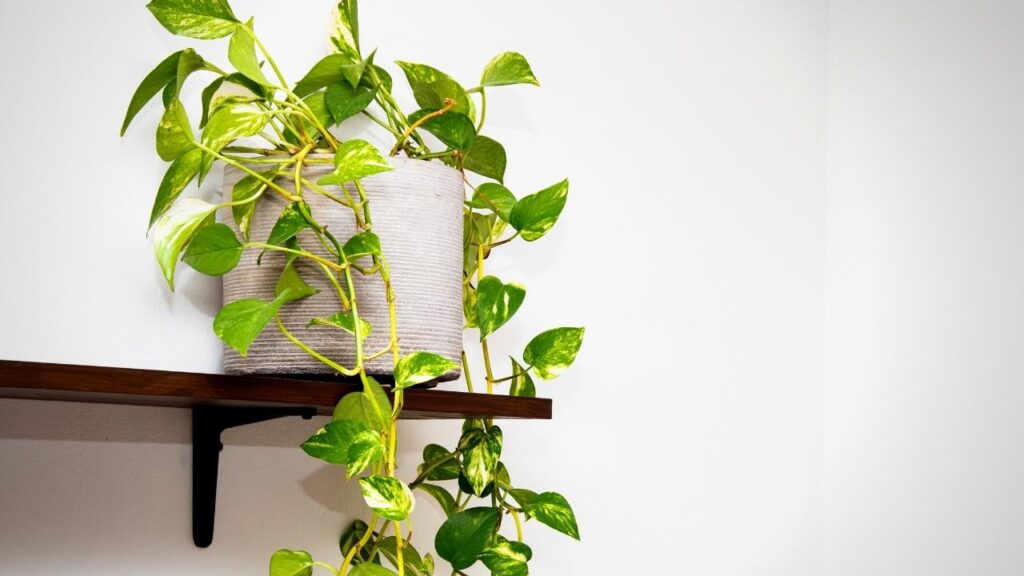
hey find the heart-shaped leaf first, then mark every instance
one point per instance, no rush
(551, 509)
(507, 558)
(552, 352)
(348, 443)
(420, 367)
(522, 382)
(173, 134)
(239, 323)
(496, 303)
(202, 19)
(346, 321)
(486, 157)
(343, 101)
(174, 229)
(481, 450)
(462, 537)
(443, 497)
(182, 171)
(508, 68)
(215, 250)
(361, 245)
(454, 129)
(353, 160)
(535, 214)
(242, 54)
(291, 563)
(389, 497)
(441, 463)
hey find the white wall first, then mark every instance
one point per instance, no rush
(688, 437)
(923, 404)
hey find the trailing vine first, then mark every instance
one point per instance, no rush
(291, 127)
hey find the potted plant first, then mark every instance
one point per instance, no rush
(358, 257)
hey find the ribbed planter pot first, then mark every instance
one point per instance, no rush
(417, 213)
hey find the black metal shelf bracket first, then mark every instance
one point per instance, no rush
(207, 424)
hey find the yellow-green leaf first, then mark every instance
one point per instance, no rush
(552, 352)
(291, 563)
(420, 367)
(202, 19)
(353, 160)
(535, 214)
(508, 68)
(242, 54)
(387, 496)
(496, 303)
(215, 250)
(174, 229)
(173, 134)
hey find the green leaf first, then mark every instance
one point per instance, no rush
(292, 284)
(177, 177)
(360, 245)
(410, 556)
(508, 68)
(552, 352)
(481, 450)
(388, 497)
(343, 101)
(346, 321)
(507, 558)
(173, 134)
(523, 496)
(348, 443)
(435, 95)
(433, 454)
(421, 74)
(462, 537)
(454, 129)
(430, 87)
(328, 70)
(493, 197)
(202, 19)
(353, 160)
(469, 304)
(291, 563)
(242, 54)
(487, 158)
(370, 406)
(291, 222)
(345, 34)
(522, 382)
(174, 229)
(161, 76)
(215, 250)
(551, 509)
(419, 367)
(535, 214)
(207, 98)
(348, 539)
(370, 569)
(239, 323)
(496, 303)
(245, 189)
(443, 497)
(230, 123)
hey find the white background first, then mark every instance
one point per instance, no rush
(792, 235)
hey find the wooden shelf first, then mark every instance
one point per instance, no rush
(74, 383)
(219, 402)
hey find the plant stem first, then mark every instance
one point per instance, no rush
(448, 105)
(338, 367)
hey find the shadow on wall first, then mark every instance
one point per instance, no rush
(48, 420)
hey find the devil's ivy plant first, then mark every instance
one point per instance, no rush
(255, 120)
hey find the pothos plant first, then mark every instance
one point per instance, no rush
(255, 120)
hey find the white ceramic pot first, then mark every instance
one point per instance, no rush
(417, 213)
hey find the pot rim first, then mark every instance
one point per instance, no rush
(396, 161)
